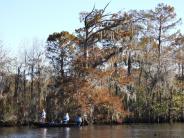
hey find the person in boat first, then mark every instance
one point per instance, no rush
(78, 120)
(43, 116)
(66, 118)
(85, 119)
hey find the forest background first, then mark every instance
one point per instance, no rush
(124, 66)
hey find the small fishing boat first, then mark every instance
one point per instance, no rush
(46, 125)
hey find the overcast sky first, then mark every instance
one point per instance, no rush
(24, 20)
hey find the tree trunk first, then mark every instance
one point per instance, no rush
(129, 63)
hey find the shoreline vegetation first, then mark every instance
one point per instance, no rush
(124, 67)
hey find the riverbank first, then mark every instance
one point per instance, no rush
(14, 124)
(103, 122)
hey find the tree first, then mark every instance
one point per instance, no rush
(155, 58)
(101, 31)
(59, 50)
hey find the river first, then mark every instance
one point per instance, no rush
(103, 131)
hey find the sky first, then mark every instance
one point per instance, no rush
(22, 21)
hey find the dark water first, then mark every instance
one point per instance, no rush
(120, 131)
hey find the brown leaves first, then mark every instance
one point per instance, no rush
(63, 37)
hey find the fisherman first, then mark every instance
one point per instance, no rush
(66, 118)
(85, 119)
(43, 116)
(78, 120)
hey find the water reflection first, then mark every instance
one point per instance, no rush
(44, 132)
(121, 131)
(66, 132)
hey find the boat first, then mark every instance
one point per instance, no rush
(47, 124)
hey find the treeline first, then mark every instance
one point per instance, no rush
(124, 66)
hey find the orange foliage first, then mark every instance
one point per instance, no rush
(94, 91)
